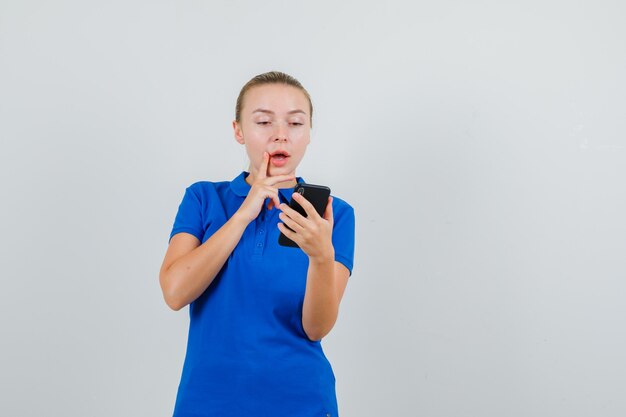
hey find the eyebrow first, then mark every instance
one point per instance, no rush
(271, 112)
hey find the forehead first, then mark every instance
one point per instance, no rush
(279, 98)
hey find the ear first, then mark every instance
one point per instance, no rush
(238, 132)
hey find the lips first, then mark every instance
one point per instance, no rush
(279, 153)
(279, 157)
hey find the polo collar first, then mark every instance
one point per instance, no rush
(240, 187)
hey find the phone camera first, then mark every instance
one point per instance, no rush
(301, 191)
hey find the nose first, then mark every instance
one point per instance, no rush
(281, 133)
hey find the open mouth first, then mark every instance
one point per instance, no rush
(279, 158)
(280, 155)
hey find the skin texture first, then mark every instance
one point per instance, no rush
(284, 124)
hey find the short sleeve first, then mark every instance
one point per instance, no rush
(343, 233)
(189, 216)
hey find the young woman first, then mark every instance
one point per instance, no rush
(258, 310)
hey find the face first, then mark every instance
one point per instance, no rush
(275, 118)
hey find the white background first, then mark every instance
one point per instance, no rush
(481, 143)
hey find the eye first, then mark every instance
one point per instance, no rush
(263, 123)
(297, 124)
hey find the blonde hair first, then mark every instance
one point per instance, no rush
(272, 77)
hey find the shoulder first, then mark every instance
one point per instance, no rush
(341, 207)
(343, 215)
(207, 189)
(207, 196)
(204, 185)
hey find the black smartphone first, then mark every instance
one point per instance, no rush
(316, 195)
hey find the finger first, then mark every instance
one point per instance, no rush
(262, 174)
(294, 215)
(290, 222)
(278, 178)
(328, 213)
(274, 202)
(306, 205)
(289, 233)
(272, 194)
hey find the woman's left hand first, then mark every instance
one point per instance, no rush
(313, 233)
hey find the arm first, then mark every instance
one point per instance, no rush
(189, 267)
(326, 278)
(325, 286)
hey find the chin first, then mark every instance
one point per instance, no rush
(281, 170)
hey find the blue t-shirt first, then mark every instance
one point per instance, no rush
(247, 352)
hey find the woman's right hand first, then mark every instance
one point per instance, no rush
(262, 188)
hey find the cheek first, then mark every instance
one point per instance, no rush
(254, 143)
(301, 138)
(300, 149)
(255, 153)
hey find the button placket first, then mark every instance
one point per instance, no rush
(259, 238)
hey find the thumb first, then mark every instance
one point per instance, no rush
(328, 213)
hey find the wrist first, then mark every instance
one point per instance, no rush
(240, 219)
(323, 258)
